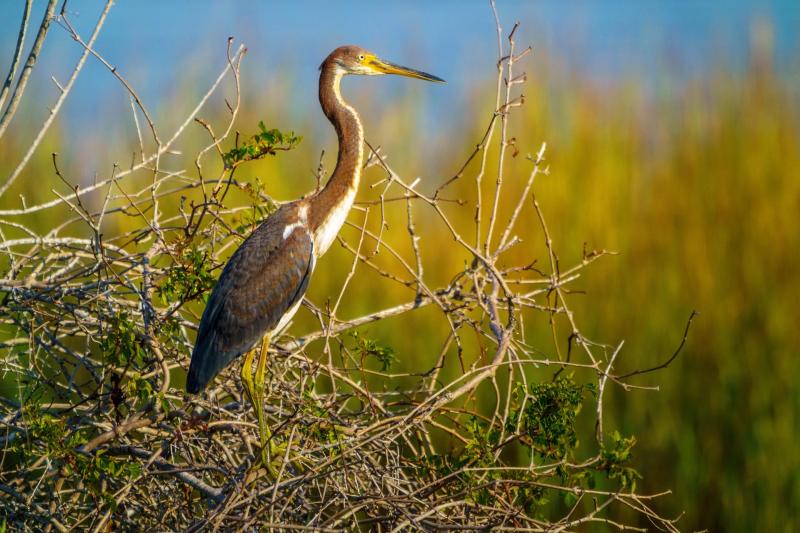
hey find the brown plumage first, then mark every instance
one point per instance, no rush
(265, 279)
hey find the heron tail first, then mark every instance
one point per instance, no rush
(205, 364)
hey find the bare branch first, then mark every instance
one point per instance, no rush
(61, 98)
(25, 75)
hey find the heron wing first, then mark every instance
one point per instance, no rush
(264, 278)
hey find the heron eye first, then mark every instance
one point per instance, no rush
(361, 57)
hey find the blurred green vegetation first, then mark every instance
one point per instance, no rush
(695, 184)
(699, 191)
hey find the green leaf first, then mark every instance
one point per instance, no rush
(570, 498)
(369, 348)
(266, 142)
(547, 421)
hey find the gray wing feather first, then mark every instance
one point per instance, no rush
(263, 279)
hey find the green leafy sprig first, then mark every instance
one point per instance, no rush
(265, 142)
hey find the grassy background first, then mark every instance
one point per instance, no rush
(696, 185)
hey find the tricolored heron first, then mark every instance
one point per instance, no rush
(263, 284)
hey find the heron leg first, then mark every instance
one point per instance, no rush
(255, 393)
(258, 404)
(247, 376)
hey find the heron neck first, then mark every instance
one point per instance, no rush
(329, 206)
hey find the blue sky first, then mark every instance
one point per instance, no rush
(154, 43)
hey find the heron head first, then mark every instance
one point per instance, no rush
(356, 60)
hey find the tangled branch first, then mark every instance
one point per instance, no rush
(100, 311)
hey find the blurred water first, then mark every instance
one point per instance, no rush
(161, 46)
(154, 43)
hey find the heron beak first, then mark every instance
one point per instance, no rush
(385, 67)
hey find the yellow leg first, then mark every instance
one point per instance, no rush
(263, 428)
(247, 375)
(255, 393)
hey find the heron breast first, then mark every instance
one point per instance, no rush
(333, 222)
